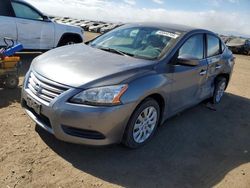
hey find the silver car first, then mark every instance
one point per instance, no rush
(122, 85)
(109, 28)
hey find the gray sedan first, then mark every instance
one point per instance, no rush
(121, 86)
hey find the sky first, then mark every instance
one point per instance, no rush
(221, 16)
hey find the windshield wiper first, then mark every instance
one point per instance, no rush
(116, 51)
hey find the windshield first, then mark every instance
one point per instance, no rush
(138, 42)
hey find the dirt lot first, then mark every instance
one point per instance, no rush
(198, 148)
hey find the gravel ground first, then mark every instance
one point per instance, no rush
(198, 148)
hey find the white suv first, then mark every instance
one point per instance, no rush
(25, 24)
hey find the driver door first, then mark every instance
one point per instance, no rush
(33, 31)
(189, 81)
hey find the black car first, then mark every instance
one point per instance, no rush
(239, 46)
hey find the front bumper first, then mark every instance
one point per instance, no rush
(80, 124)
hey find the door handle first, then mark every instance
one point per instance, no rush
(218, 66)
(203, 72)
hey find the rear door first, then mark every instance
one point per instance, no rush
(33, 31)
(214, 58)
(189, 81)
(7, 22)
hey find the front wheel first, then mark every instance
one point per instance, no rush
(220, 87)
(142, 124)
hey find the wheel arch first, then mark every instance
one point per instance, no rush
(159, 99)
(154, 96)
(76, 36)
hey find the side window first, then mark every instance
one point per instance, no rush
(213, 46)
(23, 11)
(193, 47)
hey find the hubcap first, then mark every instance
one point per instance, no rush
(145, 124)
(220, 92)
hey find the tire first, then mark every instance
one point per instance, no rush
(139, 130)
(98, 30)
(11, 82)
(220, 87)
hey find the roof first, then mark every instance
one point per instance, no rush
(167, 26)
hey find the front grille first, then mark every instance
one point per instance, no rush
(44, 89)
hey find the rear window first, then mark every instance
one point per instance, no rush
(213, 46)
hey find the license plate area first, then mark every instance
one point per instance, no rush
(33, 104)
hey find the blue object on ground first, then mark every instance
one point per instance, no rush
(11, 51)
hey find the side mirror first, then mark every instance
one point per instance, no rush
(187, 60)
(46, 18)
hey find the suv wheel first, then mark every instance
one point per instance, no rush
(142, 124)
(220, 87)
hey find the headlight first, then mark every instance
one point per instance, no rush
(108, 95)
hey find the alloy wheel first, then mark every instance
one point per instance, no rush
(145, 124)
(220, 92)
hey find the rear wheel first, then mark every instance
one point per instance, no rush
(220, 87)
(11, 82)
(142, 124)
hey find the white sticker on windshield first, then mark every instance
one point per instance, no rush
(168, 34)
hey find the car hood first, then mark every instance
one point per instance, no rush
(77, 65)
(235, 45)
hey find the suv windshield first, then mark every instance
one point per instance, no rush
(138, 42)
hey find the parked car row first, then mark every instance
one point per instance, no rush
(87, 25)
